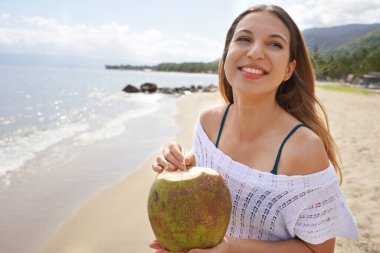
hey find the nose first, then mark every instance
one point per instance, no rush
(256, 51)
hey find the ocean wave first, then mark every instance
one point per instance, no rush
(6, 121)
(113, 127)
(23, 145)
(85, 125)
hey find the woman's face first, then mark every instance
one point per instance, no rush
(257, 61)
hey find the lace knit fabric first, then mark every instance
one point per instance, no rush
(278, 207)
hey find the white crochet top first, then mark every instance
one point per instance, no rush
(278, 207)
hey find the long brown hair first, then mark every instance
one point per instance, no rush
(297, 94)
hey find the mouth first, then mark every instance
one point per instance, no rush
(253, 72)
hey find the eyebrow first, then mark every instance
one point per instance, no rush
(272, 35)
(278, 36)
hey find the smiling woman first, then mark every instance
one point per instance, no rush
(270, 143)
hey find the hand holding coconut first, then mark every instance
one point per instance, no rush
(187, 208)
(173, 158)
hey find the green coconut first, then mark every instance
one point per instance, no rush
(189, 209)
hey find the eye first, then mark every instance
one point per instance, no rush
(276, 45)
(243, 39)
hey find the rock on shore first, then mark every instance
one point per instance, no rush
(152, 88)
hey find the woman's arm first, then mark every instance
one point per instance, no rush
(235, 245)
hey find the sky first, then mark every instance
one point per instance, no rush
(148, 31)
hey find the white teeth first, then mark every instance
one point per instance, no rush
(253, 71)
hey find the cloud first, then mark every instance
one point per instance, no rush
(40, 22)
(4, 18)
(39, 35)
(322, 13)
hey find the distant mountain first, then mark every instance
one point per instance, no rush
(357, 57)
(367, 42)
(331, 37)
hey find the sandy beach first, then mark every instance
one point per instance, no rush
(115, 220)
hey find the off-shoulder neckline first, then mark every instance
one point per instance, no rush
(317, 179)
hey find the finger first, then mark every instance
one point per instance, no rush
(161, 161)
(176, 150)
(190, 159)
(173, 162)
(177, 163)
(221, 247)
(159, 249)
(155, 245)
(157, 168)
(163, 251)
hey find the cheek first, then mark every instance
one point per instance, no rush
(231, 61)
(281, 65)
(227, 71)
(227, 66)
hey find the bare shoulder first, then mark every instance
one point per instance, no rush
(305, 153)
(210, 120)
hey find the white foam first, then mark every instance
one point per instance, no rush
(7, 120)
(146, 105)
(84, 125)
(22, 146)
(113, 127)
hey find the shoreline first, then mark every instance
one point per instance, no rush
(115, 219)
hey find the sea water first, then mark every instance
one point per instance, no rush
(41, 107)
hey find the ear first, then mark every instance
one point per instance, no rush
(289, 70)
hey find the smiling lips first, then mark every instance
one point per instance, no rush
(252, 72)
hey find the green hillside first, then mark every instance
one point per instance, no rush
(357, 57)
(367, 41)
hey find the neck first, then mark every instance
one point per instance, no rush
(253, 117)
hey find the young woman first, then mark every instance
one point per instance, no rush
(271, 143)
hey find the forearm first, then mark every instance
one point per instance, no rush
(293, 245)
